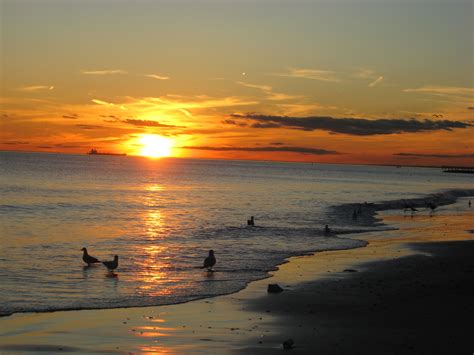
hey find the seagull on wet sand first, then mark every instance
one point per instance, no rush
(111, 265)
(432, 206)
(210, 261)
(89, 259)
(408, 207)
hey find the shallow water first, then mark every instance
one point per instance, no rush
(162, 216)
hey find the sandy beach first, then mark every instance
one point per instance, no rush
(408, 291)
(321, 150)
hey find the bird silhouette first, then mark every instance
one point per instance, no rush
(432, 206)
(251, 221)
(406, 206)
(89, 259)
(210, 261)
(111, 265)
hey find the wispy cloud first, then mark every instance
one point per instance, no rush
(443, 90)
(110, 118)
(301, 109)
(179, 102)
(235, 123)
(104, 72)
(419, 155)
(102, 102)
(157, 77)
(376, 81)
(186, 113)
(265, 88)
(88, 126)
(351, 126)
(15, 142)
(303, 150)
(73, 116)
(148, 123)
(36, 88)
(169, 108)
(311, 74)
(365, 74)
(268, 91)
(369, 74)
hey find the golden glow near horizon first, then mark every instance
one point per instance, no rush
(322, 98)
(155, 146)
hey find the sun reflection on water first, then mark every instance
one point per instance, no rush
(153, 224)
(157, 274)
(156, 350)
(152, 271)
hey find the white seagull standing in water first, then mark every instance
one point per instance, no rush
(210, 261)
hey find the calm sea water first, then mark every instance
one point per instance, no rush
(162, 216)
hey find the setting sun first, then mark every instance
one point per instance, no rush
(155, 146)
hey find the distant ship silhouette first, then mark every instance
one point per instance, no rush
(95, 152)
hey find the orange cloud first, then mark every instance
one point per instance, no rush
(104, 72)
(36, 88)
(157, 77)
(311, 74)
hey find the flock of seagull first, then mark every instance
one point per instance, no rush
(89, 260)
(209, 262)
(409, 207)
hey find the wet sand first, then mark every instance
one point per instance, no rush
(409, 291)
(420, 304)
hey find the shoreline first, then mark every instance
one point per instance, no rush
(368, 221)
(269, 275)
(408, 293)
(228, 322)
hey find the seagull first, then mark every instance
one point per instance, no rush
(406, 206)
(89, 259)
(251, 221)
(432, 206)
(409, 206)
(111, 265)
(210, 261)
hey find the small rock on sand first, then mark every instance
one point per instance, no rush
(274, 288)
(288, 344)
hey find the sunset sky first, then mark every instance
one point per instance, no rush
(354, 81)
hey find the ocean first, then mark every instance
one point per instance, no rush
(162, 216)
